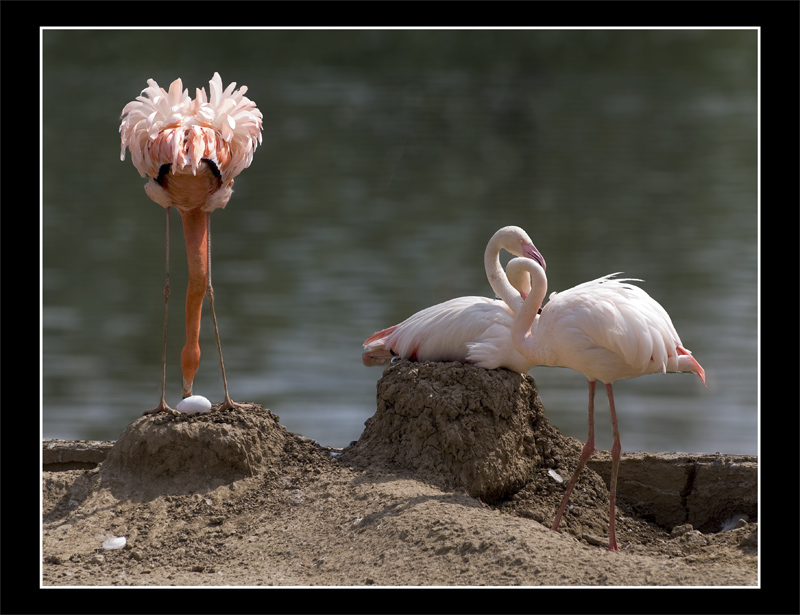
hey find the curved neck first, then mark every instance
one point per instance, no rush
(494, 271)
(522, 336)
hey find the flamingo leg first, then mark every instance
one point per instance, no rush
(588, 449)
(615, 455)
(228, 404)
(162, 406)
(195, 234)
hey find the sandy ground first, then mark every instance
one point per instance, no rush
(452, 483)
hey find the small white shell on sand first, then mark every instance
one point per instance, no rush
(194, 404)
(555, 476)
(115, 543)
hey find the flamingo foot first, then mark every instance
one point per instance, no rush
(230, 405)
(162, 407)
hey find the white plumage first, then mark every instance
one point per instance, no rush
(467, 329)
(608, 329)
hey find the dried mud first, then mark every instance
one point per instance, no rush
(450, 484)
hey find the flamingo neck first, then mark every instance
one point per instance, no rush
(524, 327)
(195, 232)
(494, 271)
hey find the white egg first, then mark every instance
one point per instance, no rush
(115, 543)
(555, 476)
(194, 404)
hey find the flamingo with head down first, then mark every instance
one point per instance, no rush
(607, 329)
(467, 329)
(191, 149)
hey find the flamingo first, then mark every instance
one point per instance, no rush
(607, 329)
(191, 149)
(467, 329)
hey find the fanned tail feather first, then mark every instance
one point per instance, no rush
(687, 363)
(371, 341)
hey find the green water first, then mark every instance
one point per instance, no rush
(389, 159)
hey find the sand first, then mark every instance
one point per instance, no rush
(454, 482)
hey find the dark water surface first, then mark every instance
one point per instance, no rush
(389, 159)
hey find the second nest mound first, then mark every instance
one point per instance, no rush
(460, 427)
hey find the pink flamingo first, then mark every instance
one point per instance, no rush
(467, 329)
(608, 330)
(191, 150)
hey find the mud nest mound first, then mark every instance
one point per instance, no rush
(182, 453)
(304, 514)
(460, 427)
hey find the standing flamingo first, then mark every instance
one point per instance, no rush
(467, 329)
(191, 150)
(608, 330)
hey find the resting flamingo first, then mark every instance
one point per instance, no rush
(468, 329)
(191, 150)
(608, 330)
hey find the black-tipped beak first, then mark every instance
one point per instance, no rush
(530, 251)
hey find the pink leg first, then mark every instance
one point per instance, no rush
(228, 404)
(162, 406)
(615, 453)
(588, 449)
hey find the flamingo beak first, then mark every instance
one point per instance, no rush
(529, 250)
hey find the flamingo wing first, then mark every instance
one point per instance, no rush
(438, 333)
(617, 328)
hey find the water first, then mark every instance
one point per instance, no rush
(389, 159)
